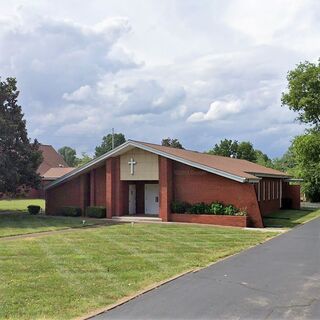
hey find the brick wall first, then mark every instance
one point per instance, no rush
(292, 192)
(100, 186)
(66, 194)
(194, 185)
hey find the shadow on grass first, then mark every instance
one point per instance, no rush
(289, 218)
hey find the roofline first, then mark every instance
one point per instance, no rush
(294, 180)
(153, 150)
(267, 175)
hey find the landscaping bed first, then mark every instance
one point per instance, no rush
(221, 220)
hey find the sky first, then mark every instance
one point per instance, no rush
(196, 70)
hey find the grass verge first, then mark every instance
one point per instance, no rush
(289, 218)
(66, 275)
(20, 204)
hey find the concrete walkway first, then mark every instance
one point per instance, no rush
(279, 279)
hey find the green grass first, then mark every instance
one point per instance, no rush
(20, 204)
(17, 224)
(289, 218)
(66, 275)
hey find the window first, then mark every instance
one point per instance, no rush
(263, 190)
(259, 191)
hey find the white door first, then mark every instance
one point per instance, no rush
(132, 198)
(151, 199)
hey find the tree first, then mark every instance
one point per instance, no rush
(287, 163)
(19, 157)
(106, 144)
(306, 149)
(69, 155)
(83, 160)
(303, 94)
(246, 151)
(225, 148)
(263, 159)
(173, 143)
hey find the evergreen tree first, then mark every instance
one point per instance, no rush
(19, 157)
(106, 144)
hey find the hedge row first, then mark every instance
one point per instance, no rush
(216, 208)
(92, 212)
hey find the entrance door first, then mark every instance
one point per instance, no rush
(151, 199)
(132, 198)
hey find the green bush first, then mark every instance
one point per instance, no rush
(33, 209)
(230, 210)
(199, 208)
(96, 212)
(70, 211)
(216, 208)
(180, 206)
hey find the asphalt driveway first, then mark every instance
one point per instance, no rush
(279, 279)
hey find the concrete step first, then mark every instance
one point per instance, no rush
(134, 218)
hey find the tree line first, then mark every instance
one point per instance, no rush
(20, 157)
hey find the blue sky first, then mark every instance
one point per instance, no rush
(199, 71)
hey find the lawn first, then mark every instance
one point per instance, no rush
(289, 218)
(20, 204)
(21, 223)
(66, 275)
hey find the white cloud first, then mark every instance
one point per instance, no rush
(81, 94)
(218, 110)
(196, 70)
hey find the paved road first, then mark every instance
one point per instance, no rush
(279, 279)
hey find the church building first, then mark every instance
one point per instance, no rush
(139, 178)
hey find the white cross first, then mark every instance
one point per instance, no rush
(132, 163)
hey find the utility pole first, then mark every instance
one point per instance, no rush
(112, 138)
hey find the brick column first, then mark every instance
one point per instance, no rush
(82, 200)
(92, 187)
(165, 184)
(110, 205)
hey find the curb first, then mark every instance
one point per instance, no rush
(133, 296)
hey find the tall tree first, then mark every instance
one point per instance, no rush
(83, 160)
(263, 159)
(307, 154)
(69, 155)
(106, 144)
(19, 157)
(225, 148)
(173, 143)
(303, 95)
(246, 151)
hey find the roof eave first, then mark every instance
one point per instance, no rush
(150, 149)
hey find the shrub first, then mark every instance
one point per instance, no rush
(70, 211)
(216, 208)
(96, 212)
(179, 207)
(230, 210)
(241, 212)
(199, 208)
(33, 209)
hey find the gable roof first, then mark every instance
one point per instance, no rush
(55, 173)
(51, 159)
(231, 168)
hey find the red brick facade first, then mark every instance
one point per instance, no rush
(102, 187)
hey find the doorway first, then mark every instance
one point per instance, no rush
(151, 199)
